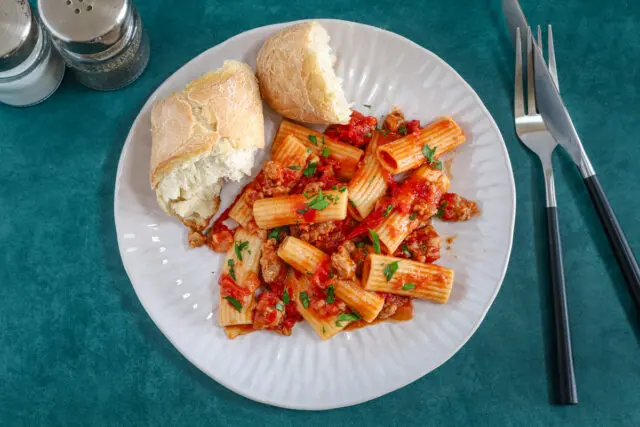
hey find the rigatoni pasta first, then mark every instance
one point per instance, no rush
(347, 155)
(300, 209)
(239, 279)
(368, 184)
(335, 239)
(409, 278)
(408, 153)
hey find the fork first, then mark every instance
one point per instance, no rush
(533, 133)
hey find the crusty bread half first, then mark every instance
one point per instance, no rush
(296, 76)
(202, 135)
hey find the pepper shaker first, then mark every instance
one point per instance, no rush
(102, 41)
(30, 70)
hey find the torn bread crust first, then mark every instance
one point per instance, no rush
(203, 135)
(296, 76)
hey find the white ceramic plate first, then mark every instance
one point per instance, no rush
(178, 286)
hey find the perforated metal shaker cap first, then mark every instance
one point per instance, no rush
(87, 27)
(18, 33)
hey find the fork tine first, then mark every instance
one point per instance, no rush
(552, 58)
(531, 95)
(518, 97)
(539, 38)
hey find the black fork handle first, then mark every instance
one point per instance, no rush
(621, 249)
(566, 381)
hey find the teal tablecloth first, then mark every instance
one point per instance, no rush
(77, 348)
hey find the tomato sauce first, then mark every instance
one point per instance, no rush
(357, 132)
(320, 277)
(229, 288)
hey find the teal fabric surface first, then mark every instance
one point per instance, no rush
(77, 348)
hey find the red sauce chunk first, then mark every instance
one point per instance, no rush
(229, 288)
(358, 132)
(455, 208)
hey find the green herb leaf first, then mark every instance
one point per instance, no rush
(306, 196)
(408, 286)
(406, 251)
(319, 202)
(232, 271)
(384, 132)
(331, 296)
(234, 302)
(326, 151)
(413, 216)
(275, 232)
(313, 139)
(285, 297)
(335, 187)
(390, 270)
(343, 189)
(294, 168)
(360, 245)
(376, 241)
(440, 212)
(402, 130)
(239, 247)
(352, 203)
(388, 210)
(304, 299)
(279, 306)
(331, 275)
(303, 211)
(429, 154)
(310, 170)
(323, 330)
(347, 317)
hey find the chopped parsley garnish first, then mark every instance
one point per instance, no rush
(239, 247)
(306, 196)
(323, 330)
(343, 189)
(313, 139)
(279, 306)
(390, 270)
(408, 286)
(294, 168)
(406, 251)
(352, 203)
(360, 245)
(375, 240)
(429, 154)
(384, 132)
(285, 297)
(388, 210)
(331, 296)
(413, 216)
(310, 170)
(440, 212)
(234, 302)
(366, 105)
(331, 275)
(335, 187)
(232, 271)
(326, 151)
(319, 202)
(347, 317)
(367, 135)
(303, 211)
(304, 299)
(402, 130)
(275, 232)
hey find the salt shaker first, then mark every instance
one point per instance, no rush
(30, 70)
(102, 41)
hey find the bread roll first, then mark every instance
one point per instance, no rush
(208, 132)
(296, 76)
